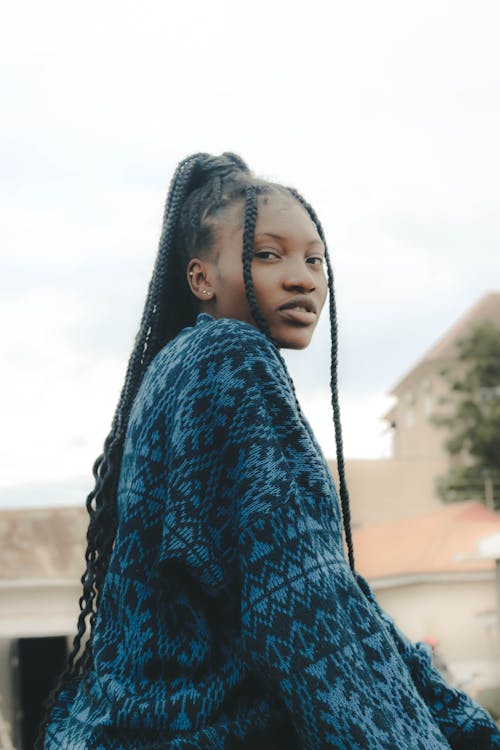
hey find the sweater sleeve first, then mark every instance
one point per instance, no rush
(464, 722)
(307, 628)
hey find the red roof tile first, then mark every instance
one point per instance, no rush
(441, 541)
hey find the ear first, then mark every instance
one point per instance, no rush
(198, 277)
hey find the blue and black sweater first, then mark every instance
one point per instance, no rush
(230, 617)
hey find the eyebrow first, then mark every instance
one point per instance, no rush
(283, 239)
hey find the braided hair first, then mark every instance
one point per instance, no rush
(202, 187)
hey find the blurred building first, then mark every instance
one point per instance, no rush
(421, 556)
(41, 554)
(427, 574)
(418, 392)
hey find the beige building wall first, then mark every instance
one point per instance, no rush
(418, 392)
(460, 612)
(6, 707)
(31, 608)
(386, 488)
(418, 399)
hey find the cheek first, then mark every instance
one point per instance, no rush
(232, 277)
(265, 284)
(237, 281)
(324, 291)
(234, 287)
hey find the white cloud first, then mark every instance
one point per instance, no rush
(56, 404)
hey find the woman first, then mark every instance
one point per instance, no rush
(224, 610)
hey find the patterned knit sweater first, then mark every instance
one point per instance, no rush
(230, 617)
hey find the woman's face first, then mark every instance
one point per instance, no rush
(288, 265)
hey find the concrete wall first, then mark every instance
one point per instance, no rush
(35, 608)
(461, 614)
(385, 489)
(6, 683)
(414, 435)
(28, 609)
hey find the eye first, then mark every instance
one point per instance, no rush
(260, 253)
(319, 258)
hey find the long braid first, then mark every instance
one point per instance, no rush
(251, 207)
(101, 501)
(102, 526)
(343, 491)
(175, 199)
(248, 249)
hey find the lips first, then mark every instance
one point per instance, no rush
(299, 310)
(306, 304)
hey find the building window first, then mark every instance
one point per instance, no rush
(409, 413)
(409, 398)
(427, 405)
(427, 385)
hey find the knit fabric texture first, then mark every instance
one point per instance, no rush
(230, 617)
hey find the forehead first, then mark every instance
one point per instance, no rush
(277, 214)
(283, 215)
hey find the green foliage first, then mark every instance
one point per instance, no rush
(472, 420)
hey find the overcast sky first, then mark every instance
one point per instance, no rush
(385, 115)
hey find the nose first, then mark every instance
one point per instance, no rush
(299, 276)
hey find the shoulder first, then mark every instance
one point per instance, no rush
(238, 347)
(229, 343)
(219, 356)
(230, 334)
(226, 355)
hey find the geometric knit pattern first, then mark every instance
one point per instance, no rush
(230, 617)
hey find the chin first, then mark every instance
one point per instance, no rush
(294, 341)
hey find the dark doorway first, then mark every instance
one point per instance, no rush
(37, 664)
